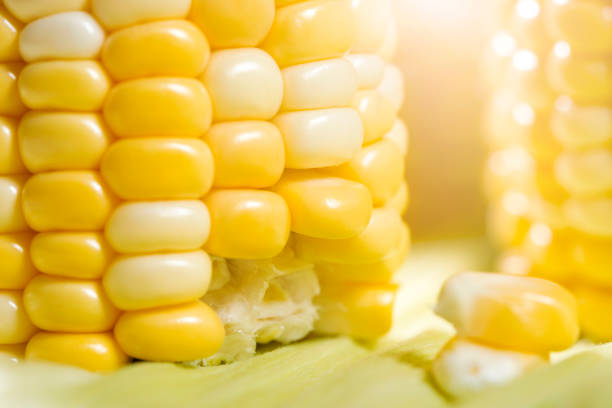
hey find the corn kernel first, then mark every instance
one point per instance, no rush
(392, 85)
(369, 69)
(378, 272)
(371, 21)
(158, 226)
(325, 207)
(120, 13)
(330, 83)
(16, 326)
(511, 168)
(9, 36)
(585, 25)
(68, 305)
(12, 352)
(177, 333)
(97, 352)
(464, 368)
(62, 140)
(148, 281)
(244, 83)
(310, 31)
(66, 200)
(28, 10)
(233, 23)
(594, 308)
(161, 107)
(379, 166)
(10, 158)
(137, 169)
(581, 126)
(167, 48)
(399, 201)
(398, 134)
(388, 48)
(246, 154)
(377, 113)
(68, 35)
(362, 311)
(11, 215)
(592, 259)
(508, 219)
(590, 216)
(514, 312)
(10, 100)
(70, 85)
(383, 233)
(583, 78)
(320, 138)
(585, 174)
(16, 268)
(247, 224)
(81, 255)
(549, 252)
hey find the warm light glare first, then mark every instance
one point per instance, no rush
(527, 9)
(523, 114)
(503, 44)
(525, 60)
(562, 49)
(515, 203)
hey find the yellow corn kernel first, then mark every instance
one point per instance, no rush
(369, 69)
(513, 312)
(66, 200)
(137, 169)
(247, 224)
(68, 35)
(549, 251)
(379, 166)
(378, 272)
(158, 226)
(392, 85)
(585, 25)
(161, 48)
(511, 168)
(592, 259)
(178, 333)
(161, 107)
(68, 305)
(581, 126)
(330, 83)
(583, 78)
(325, 207)
(388, 48)
(15, 263)
(81, 255)
(9, 36)
(514, 262)
(70, 85)
(590, 216)
(464, 368)
(594, 308)
(148, 281)
(12, 352)
(115, 14)
(11, 215)
(399, 201)
(246, 154)
(508, 219)
(585, 174)
(233, 23)
(398, 134)
(16, 326)
(310, 31)
(62, 140)
(372, 18)
(28, 10)
(358, 310)
(377, 113)
(381, 236)
(98, 352)
(10, 100)
(10, 157)
(321, 137)
(244, 83)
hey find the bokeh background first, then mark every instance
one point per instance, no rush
(440, 52)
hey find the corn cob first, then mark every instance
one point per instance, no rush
(550, 126)
(198, 176)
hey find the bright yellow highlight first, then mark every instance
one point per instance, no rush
(11, 215)
(10, 157)
(9, 36)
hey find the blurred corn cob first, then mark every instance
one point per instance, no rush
(549, 124)
(183, 179)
